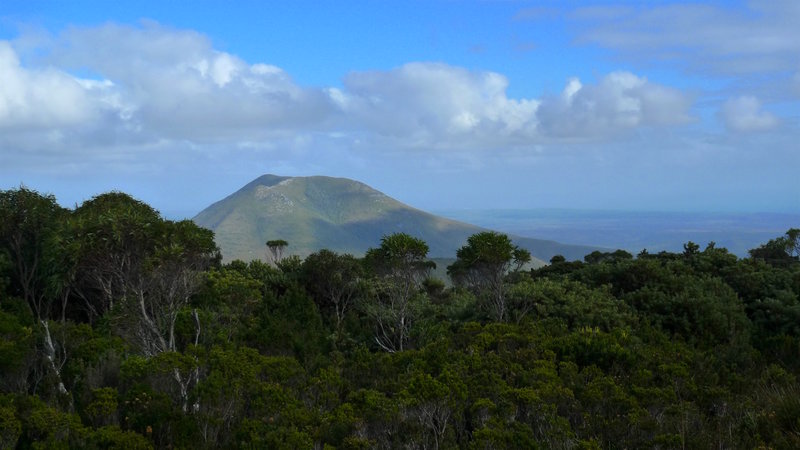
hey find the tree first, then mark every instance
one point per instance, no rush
(781, 251)
(690, 249)
(164, 282)
(793, 242)
(115, 234)
(521, 257)
(333, 280)
(162, 287)
(228, 299)
(482, 265)
(141, 268)
(276, 248)
(400, 267)
(432, 402)
(10, 428)
(597, 257)
(31, 228)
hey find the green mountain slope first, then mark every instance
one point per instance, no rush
(342, 215)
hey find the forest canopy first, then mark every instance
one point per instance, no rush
(122, 329)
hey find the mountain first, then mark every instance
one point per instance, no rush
(339, 214)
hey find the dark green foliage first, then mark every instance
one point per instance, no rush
(33, 247)
(671, 350)
(275, 248)
(115, 234)
(289, 324)
(780, 252)
(16, 351)
(393, 300)
(597, 257)
(10, 427)
(334, 281)
(483, 265)
(571, 302)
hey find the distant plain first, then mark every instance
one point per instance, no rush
(632, 230)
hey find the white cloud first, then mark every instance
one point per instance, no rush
(620, 101)
(152, 85)
(179, 87)
(762, 36)
(437, 105)
(744, 114)
(39, 98)
(738, 48)
(433, 104)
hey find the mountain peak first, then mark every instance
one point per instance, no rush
(266, 180)
(343, 215)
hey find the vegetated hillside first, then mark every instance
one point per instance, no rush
(346, 216)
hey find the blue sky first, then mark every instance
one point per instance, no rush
(679, 106)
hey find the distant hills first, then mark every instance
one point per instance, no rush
(339, 214)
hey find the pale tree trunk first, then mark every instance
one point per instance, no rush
(50, 355)
(196, 405)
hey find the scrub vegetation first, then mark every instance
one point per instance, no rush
(121, 329)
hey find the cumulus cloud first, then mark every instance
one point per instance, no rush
(429, 103)
(31, 99)
(144, 86)
(744, 114)
(754, 46)
(176, 84)
(618, 102)
(432, 104)
(45, 110)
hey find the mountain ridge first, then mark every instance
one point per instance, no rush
(339, 214)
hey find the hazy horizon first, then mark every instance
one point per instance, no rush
(634, 231)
